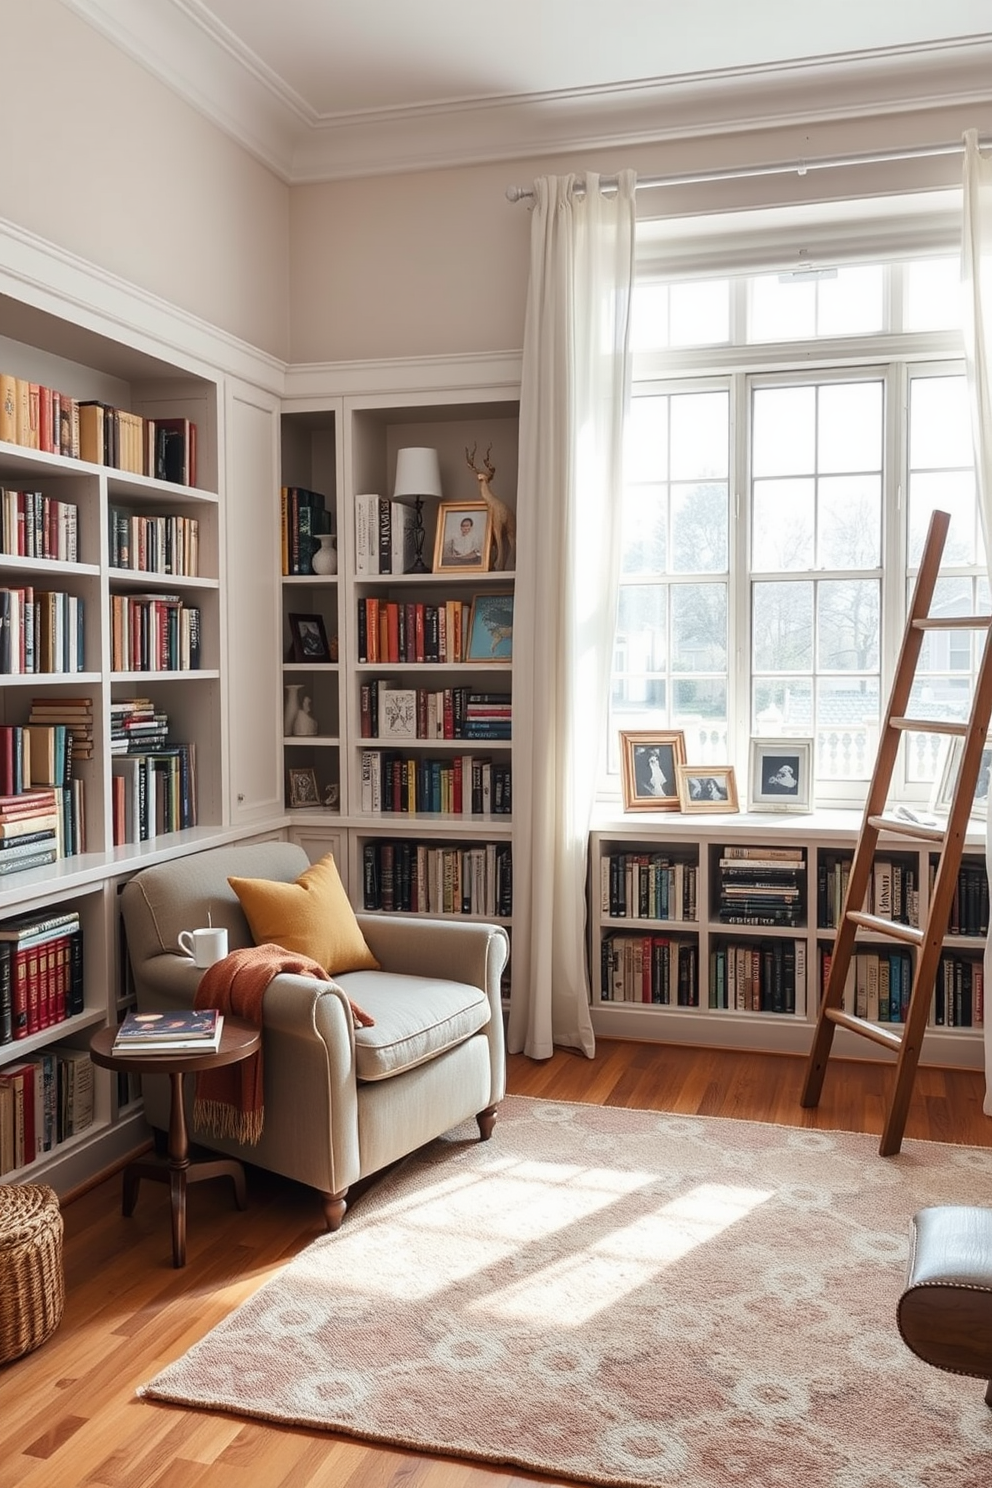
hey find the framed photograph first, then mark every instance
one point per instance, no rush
(464, 537)
(649, 763)
(781, 775)
(707, 788)
(309, 638)
(943, 793)
(490, 628)
(303, 788)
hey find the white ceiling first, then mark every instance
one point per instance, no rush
(320, 89)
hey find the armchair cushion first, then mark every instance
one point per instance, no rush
(416, 1018)
(312, 917)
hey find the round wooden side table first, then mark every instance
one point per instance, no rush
(238, 1040)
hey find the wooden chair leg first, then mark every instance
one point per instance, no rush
(334, 1207)
(486, 1120)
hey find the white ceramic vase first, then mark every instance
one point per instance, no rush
(325, 560)
(292, 708)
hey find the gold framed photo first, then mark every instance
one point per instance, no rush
(649, 762)
(464, 537)
(707, 788)
(303, 789)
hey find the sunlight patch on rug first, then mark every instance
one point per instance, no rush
(620, 1297)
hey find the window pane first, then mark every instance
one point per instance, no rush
(649, 317)
(850, 426)
(939, 424)
(642, 627)
(700, 435)
(645, 449)
(852, 303)
(782, 707)
(847, 727)
(700, 528)
(781, 309)
(783, 440)
(699, 628)
(953, 493)
(699, 708)
(782, 627)
(849, 518)
(932, 294)
(644, 530)
(848, 613)
(700, 313)
(782, 525)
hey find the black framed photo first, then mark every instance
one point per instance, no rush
(309, 638)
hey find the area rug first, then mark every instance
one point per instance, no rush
(620, 1297)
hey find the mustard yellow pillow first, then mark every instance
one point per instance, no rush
(311, 916)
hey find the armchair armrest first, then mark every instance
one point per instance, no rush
(473, 952)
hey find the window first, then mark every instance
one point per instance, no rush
(789, 436)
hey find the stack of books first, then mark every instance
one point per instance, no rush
(195, 1031)
(29, 830)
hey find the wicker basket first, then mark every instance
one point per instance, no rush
(32, 1283)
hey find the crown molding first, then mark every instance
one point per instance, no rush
(205, 65)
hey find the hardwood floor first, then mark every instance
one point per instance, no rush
(68, 1412)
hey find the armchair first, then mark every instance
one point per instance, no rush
(341, 1102)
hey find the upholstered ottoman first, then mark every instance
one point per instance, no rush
(32, 1282)
(945, 1312)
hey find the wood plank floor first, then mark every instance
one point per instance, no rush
(68, 1412)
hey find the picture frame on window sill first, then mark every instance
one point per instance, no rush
(463, 538)
(780, 775)
(309, 639)
(707, 788)
(303, 789)
(947, 779)
(649, 762)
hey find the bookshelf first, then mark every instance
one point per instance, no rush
(673, 958)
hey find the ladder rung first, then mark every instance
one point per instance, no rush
(916, 830)
(882, 1036)
(894, 928)
(953, 622)
(930, 726)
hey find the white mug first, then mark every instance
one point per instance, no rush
(205, 946)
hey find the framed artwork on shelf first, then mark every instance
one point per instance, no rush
(464, 537)
(707, 788)
(490, 628)
(947, 778)
(309, 638)
(303, 789)
(780, 775)
(649, 762)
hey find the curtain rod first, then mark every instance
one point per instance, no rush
(775, 168)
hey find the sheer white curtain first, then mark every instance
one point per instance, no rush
(976, 275)
(575, 384)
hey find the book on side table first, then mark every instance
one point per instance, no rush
(170, 1033)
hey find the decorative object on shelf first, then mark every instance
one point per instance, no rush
(305, 726)
(503, 539)
(292, 707)
(464, 537)
(947, 778)
(418, 474)
(325, 559)
(780, 776)
(303, 788)
(490, 628)
(707, 788)
(309, 638)
(332, 796)
(649, 761)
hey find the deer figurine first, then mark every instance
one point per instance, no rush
(504, 521)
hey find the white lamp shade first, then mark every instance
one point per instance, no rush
(418, 473)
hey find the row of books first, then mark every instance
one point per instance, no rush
(658, 969)
(183, 1032)
(893, 891)
(153, 633)
(879, 983)
(392, 632)
(648, 886)
(137, 725)
(33, 525)
(970, 906)
(384, 535)
(152, 793)
(40, 631)
(422, 878)
(44, 1100)
(388, 711)
(761, 886)
(303, 518)
(767, 976)
(161, 544)
(43, 418)
(41, 973)
(459, 785)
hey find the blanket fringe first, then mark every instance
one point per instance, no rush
(218, 1119)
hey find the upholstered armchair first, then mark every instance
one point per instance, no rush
(340, 1101)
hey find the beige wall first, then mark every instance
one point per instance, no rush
(437, 263)
(101, 159)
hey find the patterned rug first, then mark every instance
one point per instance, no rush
(620, 1297)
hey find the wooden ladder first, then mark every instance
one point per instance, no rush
(907, 1039)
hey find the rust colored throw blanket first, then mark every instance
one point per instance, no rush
(229, 1100)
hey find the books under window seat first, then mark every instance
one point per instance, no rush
(170, 1033)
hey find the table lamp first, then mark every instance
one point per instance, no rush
(418, 474)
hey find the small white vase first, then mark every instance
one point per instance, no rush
(292, 708)
(325, 560)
